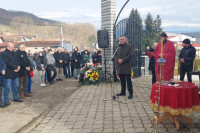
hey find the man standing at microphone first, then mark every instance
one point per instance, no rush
(123, 63)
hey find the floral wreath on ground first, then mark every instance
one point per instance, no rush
(90, 74)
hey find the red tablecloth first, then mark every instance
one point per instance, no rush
(182, 99)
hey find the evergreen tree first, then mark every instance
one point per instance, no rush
(148, 32)
(157, 28)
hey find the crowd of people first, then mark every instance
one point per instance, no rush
(17, 66)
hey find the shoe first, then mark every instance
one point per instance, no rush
(28, 95)
(18, 100)
(2, 105)
(22, 97)
(41, 84)
(130, 96)
(7, 104)
(121, 94)
(51, 83)
(60, 79)
(66, 77)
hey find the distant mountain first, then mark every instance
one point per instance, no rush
(23, 23)
(7, 17)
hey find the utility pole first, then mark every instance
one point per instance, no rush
(61, 35)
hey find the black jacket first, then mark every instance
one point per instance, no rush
(11, 62)
(58, 56)
(66, 58)
(76, 56)
(95, 57)
(38, 63)
(23, 62)
(152, 61)
(99, 57)
(189, 55)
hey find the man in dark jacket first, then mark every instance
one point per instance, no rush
(59, 63)
(66, 67)
(123, 62)
(11, 76)
(23, 72)
(186, 59)
(99, 57)
(2, 73)
(95, 57)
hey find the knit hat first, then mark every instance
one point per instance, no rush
(186, 41)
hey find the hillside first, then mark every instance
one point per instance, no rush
(19, 22)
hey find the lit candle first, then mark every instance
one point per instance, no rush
(161, 48)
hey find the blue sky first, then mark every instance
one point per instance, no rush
(176, 15)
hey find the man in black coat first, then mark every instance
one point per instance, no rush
(11, 76)
(186, 58)
(66, 68)
(59, 63)
(95, 57)
(23, 72)
(99, 57)
(123, 62)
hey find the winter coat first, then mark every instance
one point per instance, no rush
(23, 61)
(59, 56)
(125, 53)
(12, 64)
(50, 62)
(151, 62)
(38, 63)
(99, 57)
(66, 58)
(2, 67)
(85, 59)
(76, 56)
(189, 55)
(95, 57)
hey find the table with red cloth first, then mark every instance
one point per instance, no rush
(176, 101)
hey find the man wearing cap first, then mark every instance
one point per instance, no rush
(169, 53)
(186, 58)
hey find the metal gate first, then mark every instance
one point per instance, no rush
(132, 31)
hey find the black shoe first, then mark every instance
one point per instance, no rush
(130, 96)
(7, 104)
(18, 100)
(60, 79)
(2, 105)
(121, 94)
(51, 83)
(66, 77)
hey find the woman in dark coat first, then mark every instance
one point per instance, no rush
(86, 58)
(76, 57)
(41, 63)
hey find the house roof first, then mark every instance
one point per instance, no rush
(34, 43)
(11, 38)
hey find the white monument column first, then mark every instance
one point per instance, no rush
(108, 10)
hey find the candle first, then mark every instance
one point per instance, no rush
(161, 48)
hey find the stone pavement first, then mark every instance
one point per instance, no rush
(86, 112)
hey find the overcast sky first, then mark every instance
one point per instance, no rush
(184, 13)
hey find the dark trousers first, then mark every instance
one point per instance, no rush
(22, 88)
(50, 78)
(182, 74)
(126, 78)
(153, 77)
(66, 69)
